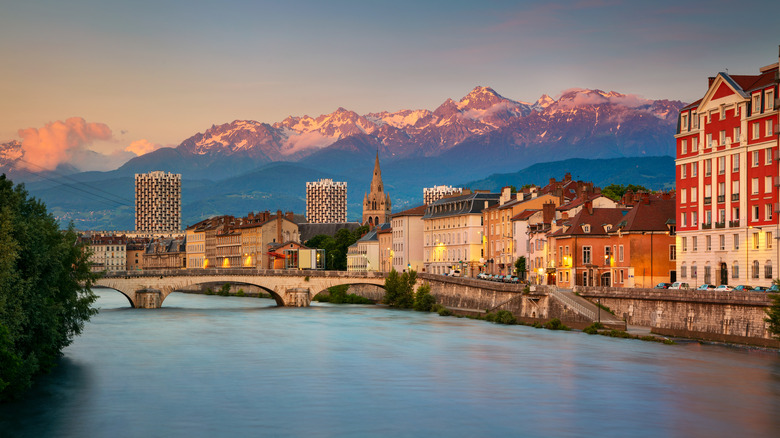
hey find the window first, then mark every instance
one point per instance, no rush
(684, 198)
(735, 189)
(722, 137)
(683, 171)
(695, 144)
(754, 186)
(694, 168)
(769, 127)
(768, 269)
(736, 241)
(768, 212)
(735, 163)
(736, 110)
(708, 167)
(756, 130)
(695, 218)
(768, 153)
(672, 252)
(684, 246)
(722, 216)
(683, 271)
(707, 274)
(620, 253)
(737, 133)
(586, 255)
(755, 158)
(735, 270)
(694, 242)
(755, 213)
(683, 219)
(722, 239)
(607, 254)
(622, 279)
(768, 240)
(756, 104)
(755, 240)
(683, 123)
(769, 100)
(683, 146)
(708, 241)
(767, 184)
(722, 195)
(721, 165)
(709, 140)
(755, 269)
(694, 273)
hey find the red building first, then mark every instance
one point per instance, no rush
(727, 181)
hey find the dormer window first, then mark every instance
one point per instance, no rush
(607, 227)
(684, 122)
(756, 103)
(586, 228)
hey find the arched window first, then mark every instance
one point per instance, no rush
(694, 273)
(683, 270)
(376, 220)
(768, 269)
(755, 269)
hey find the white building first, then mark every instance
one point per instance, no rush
(407, 247)
(433, 194)
(363, 255)
(157, 202)
(326, 202)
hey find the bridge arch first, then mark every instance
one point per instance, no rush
(375, 296)
(129, 300)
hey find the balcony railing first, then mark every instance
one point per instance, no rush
(705, 226)
(707, 200)
(734, 224)
(721, 199)
(735, 196)
(720, 224)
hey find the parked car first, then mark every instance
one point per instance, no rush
(724, 287)
(481, 275)
(774, 288)
(662, 286)
(761, 289)
(706, 287)
(679, 285)
(514, 279)
(743, 287)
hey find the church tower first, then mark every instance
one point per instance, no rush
(376, 204)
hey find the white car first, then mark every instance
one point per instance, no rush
(724, 287)
(679, 285)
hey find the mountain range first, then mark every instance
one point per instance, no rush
(481, 134)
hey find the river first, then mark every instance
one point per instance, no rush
(210, 366)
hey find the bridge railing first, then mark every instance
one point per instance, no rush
(243, 272)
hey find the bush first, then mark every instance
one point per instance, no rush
(209, 291)
(338, 295)
(443, 311)
(224, 290)
(593, 328)
(240, 293)
(537, 324)
(505, 317)
(399, 289)
(556, 324)
(423, 300)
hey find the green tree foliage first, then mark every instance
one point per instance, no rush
(423, 300)
(520, 267)
(336, 246)
(399, 289)
(224, 290)
(338, 295)
(45, 289)
(773, 314)
(616, 191)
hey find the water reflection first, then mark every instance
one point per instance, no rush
(218, 366)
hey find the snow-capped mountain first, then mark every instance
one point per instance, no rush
(579, 123)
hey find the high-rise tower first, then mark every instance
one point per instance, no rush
(326, 202)
(376, 204)
(157, 202)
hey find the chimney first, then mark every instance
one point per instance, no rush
(567, 177)
(589, 206)
(289, 216)
(548, 212)
(666, 196)
(552, 181)
(506, 195)
(279, 226)
(710, 80)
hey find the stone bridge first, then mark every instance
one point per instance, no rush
(148, 289)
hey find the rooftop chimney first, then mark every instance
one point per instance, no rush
(548, 212)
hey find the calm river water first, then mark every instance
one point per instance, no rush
(208, 366)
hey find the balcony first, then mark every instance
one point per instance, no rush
(707, 200)
(721, 199)
(734, 224)
(734, 197)
(720, 224)
(706, 226)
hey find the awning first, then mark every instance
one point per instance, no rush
(276, 254)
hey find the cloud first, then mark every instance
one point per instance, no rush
(574, 97)
(312, 139)
(143, 146)
(58, 142)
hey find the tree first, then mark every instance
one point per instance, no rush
(399, 289)
(773, 313)
(336, 247)
(423, 300)
(45, 289)
(616, 191)
(520, 267)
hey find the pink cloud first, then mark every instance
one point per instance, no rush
(142, 146)
(57, 142)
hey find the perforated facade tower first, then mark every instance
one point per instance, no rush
(433, 194)
(326, 202)
(157, 202)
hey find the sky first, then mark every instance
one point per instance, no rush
(123, 78)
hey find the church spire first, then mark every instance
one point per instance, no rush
(376, 204)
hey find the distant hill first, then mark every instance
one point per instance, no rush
(655, 173)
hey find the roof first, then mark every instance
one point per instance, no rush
(596, 220)
(523, 215)
(308, 231)
(651, 216)
(579, 201)
(415, 211)
(471, 203)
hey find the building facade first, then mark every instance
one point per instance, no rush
(157, 202)
(376, 203)
(727, 182)
(407, 245)
(433, 194)
(326, 202)
(453, 233)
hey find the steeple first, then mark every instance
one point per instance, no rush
(376, 204)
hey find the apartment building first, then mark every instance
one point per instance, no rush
(157, 202)
(433, 194)
(407, 242)
(326, 202)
